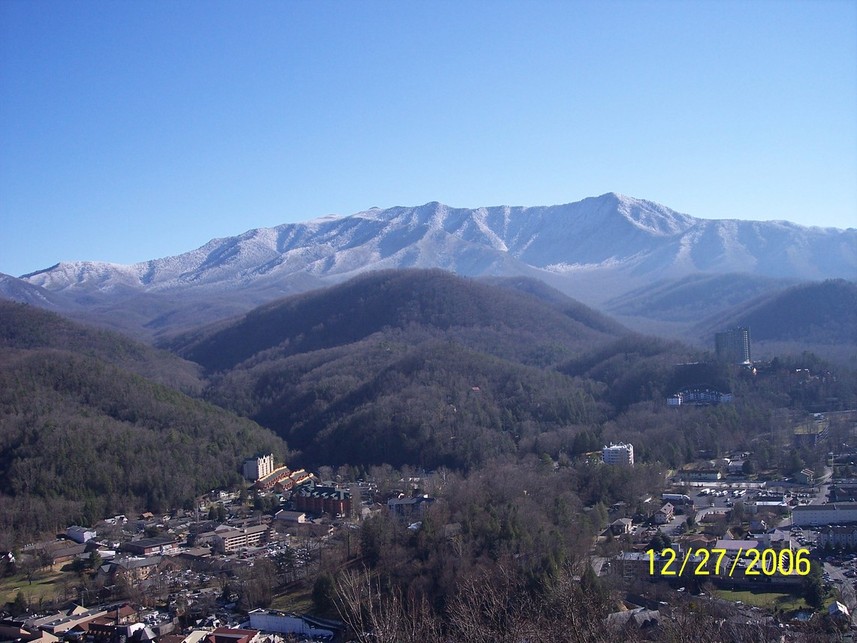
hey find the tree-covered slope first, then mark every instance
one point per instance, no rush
(477, 313)
(26, 327)
(417, 367)
(812, 313)
(405, 398)
(82, 437)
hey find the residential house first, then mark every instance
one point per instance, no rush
(409, 508)
(843, 493)
(664, 514)
(621, 526)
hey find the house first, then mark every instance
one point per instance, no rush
(843, 493)
(193, 555)
(203, 539)
(735, 467)
(621, 526)
(640, 565)
(664, 514)
(118, 624)
(698, 541)
(698, 397)
(839, 612)
(409, 508)
(634, 620)
(55, 553)
(276, 477)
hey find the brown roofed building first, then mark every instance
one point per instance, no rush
(317, 499)
(164, 545)
(229, 635)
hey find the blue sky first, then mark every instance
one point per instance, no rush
(137, 130)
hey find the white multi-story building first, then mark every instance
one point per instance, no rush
(834, 513)
(618, 454)
(230, 540)
(258, 467)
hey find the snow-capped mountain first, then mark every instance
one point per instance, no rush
(594, 249)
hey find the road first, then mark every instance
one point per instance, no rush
(845, 585)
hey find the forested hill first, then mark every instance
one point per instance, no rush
(410, 367)
(81, 437)
(30, 328)
(570, 307)
(812, 313)
(502, 321)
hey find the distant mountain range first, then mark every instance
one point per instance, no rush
(604, 251)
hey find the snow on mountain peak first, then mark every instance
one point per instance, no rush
(612, 232)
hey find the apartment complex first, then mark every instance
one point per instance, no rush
(621, 454)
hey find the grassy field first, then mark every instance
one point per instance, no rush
(297, 600)
(44, 586)
(768, 600)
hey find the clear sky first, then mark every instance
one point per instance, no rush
(137, 130)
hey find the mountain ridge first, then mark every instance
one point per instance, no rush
(593, 250)
(387, 300)
(507, 229)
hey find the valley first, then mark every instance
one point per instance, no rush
(490, 398)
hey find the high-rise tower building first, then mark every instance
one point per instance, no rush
(258, 467)
(733, 346)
